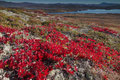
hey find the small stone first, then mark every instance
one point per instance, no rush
(84, 30)
(1, 35)
(81, 70)
(6, 78)
(88, 75)
(59, 77)
(1, 77)
(56, 75)
(7, 48)
(1, 71)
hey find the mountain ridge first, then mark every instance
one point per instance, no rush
(70, 6)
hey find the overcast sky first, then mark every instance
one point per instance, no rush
(66, 1)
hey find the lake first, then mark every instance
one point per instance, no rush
(95, 11)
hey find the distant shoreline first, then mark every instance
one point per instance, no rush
(91, 11)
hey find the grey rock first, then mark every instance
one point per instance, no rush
(7, 48)
(1, 71)
(56, 75)
(5, 78)
(1, 35)
(85, 30)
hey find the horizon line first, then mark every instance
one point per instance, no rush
(59, 2)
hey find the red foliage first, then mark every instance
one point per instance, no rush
(36, 58)
(105, 30)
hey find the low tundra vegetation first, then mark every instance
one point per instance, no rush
(32, 52)
(33, 58)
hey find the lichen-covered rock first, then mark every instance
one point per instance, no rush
(56, 75)
(84, 71)
(7, 48)
(1, 35)
(2, 75)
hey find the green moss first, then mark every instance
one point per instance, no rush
(33, 21)
(107, 39)
(15, 10)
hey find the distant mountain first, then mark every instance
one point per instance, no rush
(108, 4)
(12, 4)
(27, 5)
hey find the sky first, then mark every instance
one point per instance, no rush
(66, 1)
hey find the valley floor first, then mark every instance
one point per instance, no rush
(107, 20)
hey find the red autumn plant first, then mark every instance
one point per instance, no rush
(35, 58)
(105, 30)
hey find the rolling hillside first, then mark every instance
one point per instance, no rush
(38, 46)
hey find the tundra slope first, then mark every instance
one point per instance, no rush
(57, 50)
